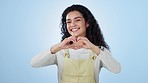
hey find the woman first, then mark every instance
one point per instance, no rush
(82, 52)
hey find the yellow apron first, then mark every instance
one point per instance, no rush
(78, 71)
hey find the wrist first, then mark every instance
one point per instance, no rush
(96, 49)
(55, 49)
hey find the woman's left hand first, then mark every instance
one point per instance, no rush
(83, 42)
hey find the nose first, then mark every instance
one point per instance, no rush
(72, 23)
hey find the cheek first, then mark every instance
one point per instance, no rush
(68, 29)
(82, 25)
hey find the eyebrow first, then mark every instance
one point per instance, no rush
(74, 18)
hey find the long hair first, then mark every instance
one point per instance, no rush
(93, 32)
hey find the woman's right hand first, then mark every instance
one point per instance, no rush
(64, 44)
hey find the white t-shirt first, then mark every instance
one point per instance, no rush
(104, 59)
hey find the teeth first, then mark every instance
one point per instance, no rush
(73, 30)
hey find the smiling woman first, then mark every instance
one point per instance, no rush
(82, 60)
(76, 24)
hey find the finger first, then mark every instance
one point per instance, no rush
(85, 41)
(82, 41)
(67, 40)
(82, 38)
(79, 38)
(72, 38)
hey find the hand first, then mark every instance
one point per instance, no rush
(76, 43)
(68, 42)
(83, 42)
(80, 42)
(63, 45)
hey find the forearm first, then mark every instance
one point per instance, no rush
(43, 59)
(55, 48)
(109, 62)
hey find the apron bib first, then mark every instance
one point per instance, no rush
(78, 71)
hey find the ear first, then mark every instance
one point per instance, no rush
(87, 25)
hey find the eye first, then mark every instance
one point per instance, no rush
(68, 22)
(78, 19)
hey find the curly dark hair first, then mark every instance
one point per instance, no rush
(93, 32)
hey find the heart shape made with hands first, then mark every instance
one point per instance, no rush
(76, 45)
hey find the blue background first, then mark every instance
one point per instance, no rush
(28, 27)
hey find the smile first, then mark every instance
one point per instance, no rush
(74, 29)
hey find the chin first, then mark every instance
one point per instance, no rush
(76, 35)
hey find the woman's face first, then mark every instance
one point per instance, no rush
(76, 24)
